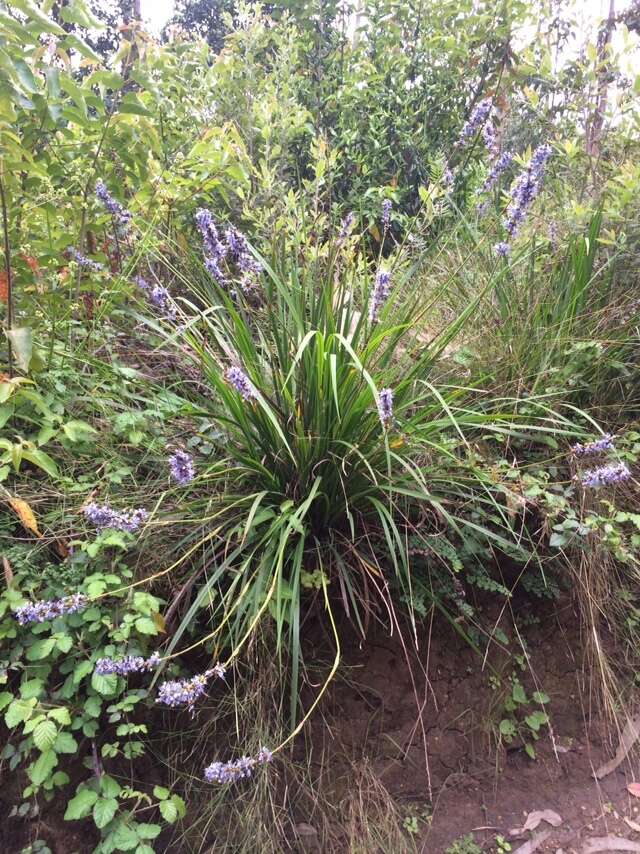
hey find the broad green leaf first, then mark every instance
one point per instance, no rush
(109, 787)
(45, 24)
(42, 767)
(19, 711)
(81, 805)
(25, 76)
(104, 684)
(5, 698)
(104, 810)
(65, 743)
(42, 460)
(169, 811)
(61, 715)
(93, 706)
(44, 735)
(148, 831)
(41, 649)
(146, 626)
(31, 688)
(161, 793)
(124, 838)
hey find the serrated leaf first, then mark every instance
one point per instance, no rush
(65, 743)
(81, 805)
(146, 626)
(31, 688)
(169, 811)
(61, 715)
(18, 712)
(41, 649)
(104, 810)
(124, 838)
(161, 793)
(148, 831)
(5, 699)
(44, 735)
(104, 684)
(93, 706)
(42, 767)
(109, 787)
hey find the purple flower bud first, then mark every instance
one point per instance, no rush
(387, 206)
(238, 769)
(185, 692)
(241, 383)
(478, 117)
(104, 517)
(380, 294)
(38, 612)
(502, 249)
(85, 262)
(119, 213)
(606, 475)
(385, 407)
(605, 443)
(501, 164)
(181, 467)
(124, 666)
(346, 226)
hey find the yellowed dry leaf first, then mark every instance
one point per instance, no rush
(25, 514)
(8, 572)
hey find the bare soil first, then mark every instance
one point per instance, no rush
(427, 724)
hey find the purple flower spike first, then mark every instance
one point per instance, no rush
(39, 612)
(185, 692)
(526, 189)
(103, 517)
(241, 383)
(600, 446)
(181, 467)
(502, 249)
(380, 294)
(238, 769)
(606, 475)
(346, 226)
(385, 407)
(85, 262)
(129, 664)
(387, 206)
(502, 163)
(117, 211)
(478, 117)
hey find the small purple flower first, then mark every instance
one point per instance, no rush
(387, 206)
(478, 117)
(380, 294)
(526, 188)
(38, 612)
(85, 262)
(238, 769)
(160, 297)
(605, 476)
(213, 266)
(213, 246)
(264, 755)
(502, 249)
(124, 666)
(237, 378)
(181, 467)
(104, 517)
(501, 165)
(240, 252)
(385, 407)
(600, 446)
(185, 692)
(490, 139)
(346, 226)
(448, 179)
(117, 211)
